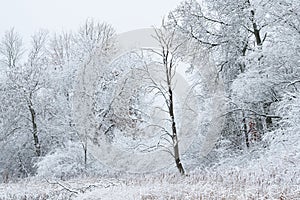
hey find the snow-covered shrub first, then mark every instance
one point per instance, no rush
(284, 142)
(67, 162)
(62, 162)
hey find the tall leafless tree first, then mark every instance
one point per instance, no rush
(11, 48)
(168, 53)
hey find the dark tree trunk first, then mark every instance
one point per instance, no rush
(34, 130)
(174, 134)
(85, 153)
(269, 122)
(245, 130)
(168, 49)
(256, 31)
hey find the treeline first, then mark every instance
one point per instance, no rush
(253, 43)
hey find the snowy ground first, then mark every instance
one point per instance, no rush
(231, 184)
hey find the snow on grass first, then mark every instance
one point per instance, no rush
(234, 183)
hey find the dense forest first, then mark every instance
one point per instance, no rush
(69, 99)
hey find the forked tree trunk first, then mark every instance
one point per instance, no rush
(256, 30)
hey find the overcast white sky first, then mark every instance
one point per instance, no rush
(27, 16)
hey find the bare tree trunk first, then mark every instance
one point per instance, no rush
(34, 130)
(85, 156)
(269, 122)
(256, 30)
(174, 134)
(85, 152)
(5, 176)
(245, 130)
(166, 38)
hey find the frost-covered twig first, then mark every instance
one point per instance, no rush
(63, 186)
(254, 112)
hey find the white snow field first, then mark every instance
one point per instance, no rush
(234, 183)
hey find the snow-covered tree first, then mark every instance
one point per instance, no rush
(96, 44)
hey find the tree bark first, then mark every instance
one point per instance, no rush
(268, 120)
(256, 30)
(85, 152)
(245, 130)
(168, 50)
(174, 134)
(34, 130)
